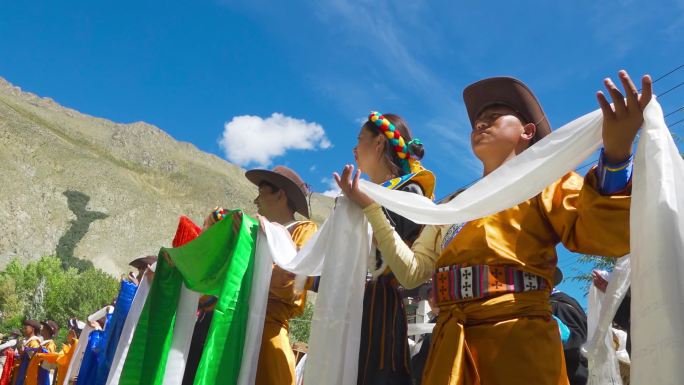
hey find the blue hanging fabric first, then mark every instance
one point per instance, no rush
(113, 331)
(88, 371)
(44, 374)
(23, 367)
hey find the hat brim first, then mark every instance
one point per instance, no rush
(49, 327)
(509, 92)
(143, 262)
(293, 192)
(557, 277)
(34, 324)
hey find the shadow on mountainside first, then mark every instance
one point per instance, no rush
(78, 203)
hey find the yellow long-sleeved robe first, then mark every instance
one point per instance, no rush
(510, 338)
(36, 360)
(61, 359)
(276, 359)
(33, 343)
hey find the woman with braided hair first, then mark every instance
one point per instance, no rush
(388, 154)
(493, 276)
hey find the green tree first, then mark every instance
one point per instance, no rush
(300, 326)
(598, 263)
(11, 304)
(43, 289)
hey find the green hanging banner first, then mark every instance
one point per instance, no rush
(219, 262)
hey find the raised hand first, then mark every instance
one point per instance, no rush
(599, 281)
(623, 118)
(349, 184)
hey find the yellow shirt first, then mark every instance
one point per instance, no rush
(486, 340)
(33, 343)
(276, 360)
(284, 302)
(570, 211)
(61, 359)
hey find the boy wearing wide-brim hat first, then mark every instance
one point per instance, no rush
(282, 193)
(48, 331)
(493, 276)
(40, 372)
(62, 359)
(28, 348)
(31, 337)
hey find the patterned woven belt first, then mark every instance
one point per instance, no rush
(460, 283)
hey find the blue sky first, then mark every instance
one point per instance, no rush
(203, 70)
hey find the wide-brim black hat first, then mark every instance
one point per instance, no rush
(143, 262)
(32, 323)
(509, 92)
(51, 326)
(286, 179)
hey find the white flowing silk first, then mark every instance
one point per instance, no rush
(657, 248)
(269, 241)
(418, 329)
(338, 252)
(599, 349)
(77, 358)
(656, 225)
(183, 328)
(515, 181)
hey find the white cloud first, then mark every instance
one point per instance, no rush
(249, 139)
(333, 189)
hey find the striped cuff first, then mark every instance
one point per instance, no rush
(613, 178)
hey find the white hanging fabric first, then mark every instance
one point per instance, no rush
(338, 252)
(599, 349)
(184, 325)
(270, 241)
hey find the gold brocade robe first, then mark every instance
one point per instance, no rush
(276, 359)
(511, 338)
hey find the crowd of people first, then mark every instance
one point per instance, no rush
(31, 356)
(499, 318)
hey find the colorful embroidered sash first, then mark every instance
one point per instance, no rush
(457, 283)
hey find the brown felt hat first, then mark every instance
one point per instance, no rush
(51, 326)
(143, 262)
(286, 179)
(32, 323)
(509, 92)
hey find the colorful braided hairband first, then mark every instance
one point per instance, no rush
(408, 162)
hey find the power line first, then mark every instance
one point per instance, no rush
(668, 74)
(675, 111)
(671, 89)
(587, 164)
(675, 123)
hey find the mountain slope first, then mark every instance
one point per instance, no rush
(103, 191)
